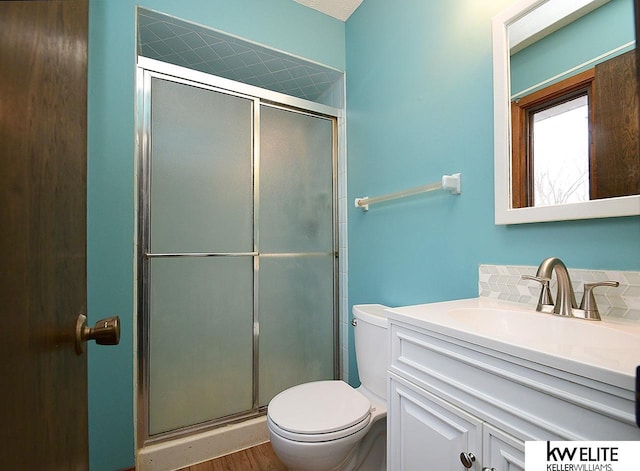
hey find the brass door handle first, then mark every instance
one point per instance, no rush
(105, 332)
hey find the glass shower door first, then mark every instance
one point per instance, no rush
(238, 254)
(200, 254)
(296, 271)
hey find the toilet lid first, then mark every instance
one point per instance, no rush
(318, 407)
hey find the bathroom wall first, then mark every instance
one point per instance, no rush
(280, 24)
(419, 103)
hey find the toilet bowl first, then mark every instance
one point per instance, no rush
(330, 426)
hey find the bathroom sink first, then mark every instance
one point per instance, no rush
(603, 350)
(536, 328)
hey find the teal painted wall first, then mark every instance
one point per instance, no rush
(419, 105)
(281, 24)
(597, 33)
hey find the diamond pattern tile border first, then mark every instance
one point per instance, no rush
(185, 44)
(504, 282)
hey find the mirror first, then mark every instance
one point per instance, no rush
(531, 25)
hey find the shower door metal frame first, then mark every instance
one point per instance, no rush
(147, 70)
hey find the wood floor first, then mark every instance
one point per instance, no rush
(258, 458)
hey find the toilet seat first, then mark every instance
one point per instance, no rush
(317, 437)
(319, 411)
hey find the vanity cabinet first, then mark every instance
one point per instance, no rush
(453, 394)
(427, 432)
(501, 451)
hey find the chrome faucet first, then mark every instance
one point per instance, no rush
(565, 299)
(565, 304)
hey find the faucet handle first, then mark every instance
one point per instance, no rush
(545, 301)
(588, 304)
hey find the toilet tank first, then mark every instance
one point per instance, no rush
(372, 349)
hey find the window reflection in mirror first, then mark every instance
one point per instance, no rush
(574, 111)
(560, 150)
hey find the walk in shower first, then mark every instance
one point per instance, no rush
(237, 248)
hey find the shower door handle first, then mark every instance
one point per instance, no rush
(105, 332)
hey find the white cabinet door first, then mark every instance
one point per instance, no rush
(426, 433)
(501, 451)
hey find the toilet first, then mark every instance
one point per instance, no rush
(330, 426)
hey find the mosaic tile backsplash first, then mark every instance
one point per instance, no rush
(505, 283)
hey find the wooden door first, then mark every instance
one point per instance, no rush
(43, 90)
(614, 162)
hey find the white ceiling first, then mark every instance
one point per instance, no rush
(340, 9)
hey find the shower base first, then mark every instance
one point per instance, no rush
(183, 452)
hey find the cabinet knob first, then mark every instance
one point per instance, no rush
(467, 459)
(489, 469)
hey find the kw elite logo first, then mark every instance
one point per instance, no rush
(590, 458)
(581, 456)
